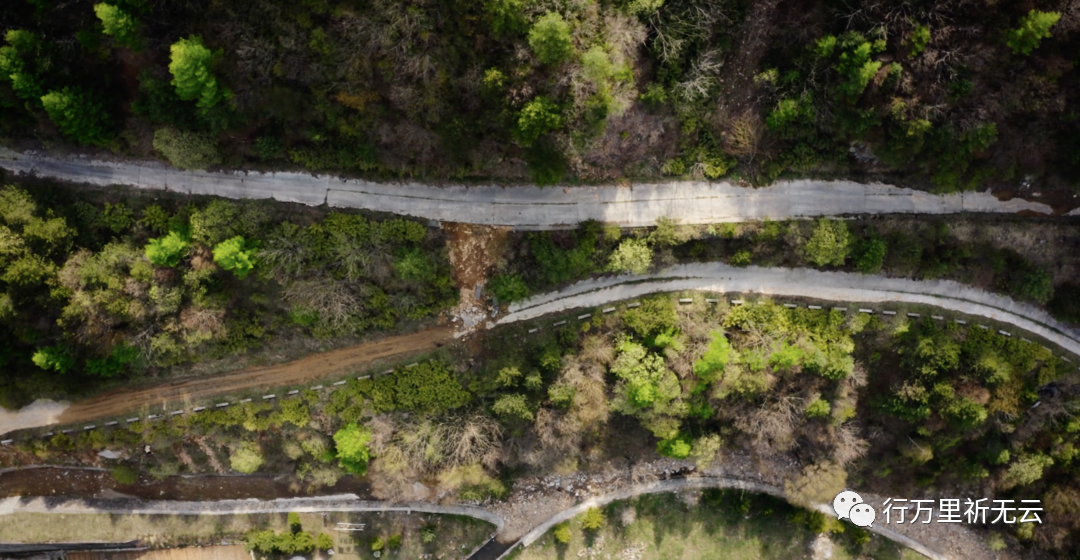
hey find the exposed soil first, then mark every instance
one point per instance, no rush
(178, 394)
(474, 251)
(85, 483)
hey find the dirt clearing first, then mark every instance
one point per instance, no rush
(474, 252)
(178, 394)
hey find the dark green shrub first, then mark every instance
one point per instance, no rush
(869, 255)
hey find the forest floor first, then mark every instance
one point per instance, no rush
(179, 393)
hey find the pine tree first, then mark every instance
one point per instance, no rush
(78, 115)
(118, 24)
(192, 76)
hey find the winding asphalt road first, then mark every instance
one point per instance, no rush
(801, 282)
(525, 207)
(350, 503)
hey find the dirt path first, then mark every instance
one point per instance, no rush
(175, 395)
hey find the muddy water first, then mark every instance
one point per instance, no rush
(78, 483)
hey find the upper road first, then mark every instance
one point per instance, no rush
(528, 207)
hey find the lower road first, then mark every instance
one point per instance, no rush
(350, 503)
(529, 207)
(806, 283)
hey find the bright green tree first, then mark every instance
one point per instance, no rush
(561, 532)
(118, 24)
(191, 67)
(550, 38)
(324, 542)
(247, 458)
(168, 250)
(818, 408)
(14, 65)
(303, 542)
(593, 520)
(537, 118)
(56, 358)
(513, 406)
(632, 255)
(353, 448)
(829, 243)
(235, 255)
(78, 115)
(1034, 27)
(711, 364)
(677, 447)
(509, 288)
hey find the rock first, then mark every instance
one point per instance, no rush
(109, 454)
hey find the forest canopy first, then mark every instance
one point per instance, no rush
(95, 289)
(541, 91)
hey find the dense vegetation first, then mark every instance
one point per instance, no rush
(984, 255)
(712, 524)
(94, 289)
(946, 407)
(520, 88)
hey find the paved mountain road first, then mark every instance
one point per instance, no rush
(525, 207)
(801, 282)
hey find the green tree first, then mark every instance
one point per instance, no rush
(509, 288)
(632, 255)
(1025, 470)
(654, 316)
(117, 217)
(191, 67)
(114, 363)
(677, 447)
(353, 448)
(78, 115)
(829, 243)
(506, 16)
(550, 39)
(818, 408)
(1034, 27)
(593, 519)
(294, 522)
(246, 458)
(561, 532)
(537, 118)
(324, 542)
(55, 358)
(511, 407)
(118, 24)
(869, 255)
(187, 150)
(303, 542)
(14, 65)
(711, 365)
(235, 255)
(918, 40)
(168, 250)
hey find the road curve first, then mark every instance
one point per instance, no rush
(699, 483)
(528, 207)
(801, 282)
(350, 503)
